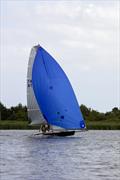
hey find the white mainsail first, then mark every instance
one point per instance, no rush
(34, 112)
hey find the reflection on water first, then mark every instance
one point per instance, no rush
(92, 155)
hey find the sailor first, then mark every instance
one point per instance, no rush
(47, 126)
(43, 128)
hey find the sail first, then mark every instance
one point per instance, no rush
(34, 112)
(54, 93)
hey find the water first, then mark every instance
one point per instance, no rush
(92, 155)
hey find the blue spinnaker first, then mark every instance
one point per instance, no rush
(54, 93)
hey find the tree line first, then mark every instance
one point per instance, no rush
(93, 115)
(19, 112)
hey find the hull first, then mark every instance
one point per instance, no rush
(62, 133)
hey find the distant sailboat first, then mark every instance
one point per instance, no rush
(51, 100)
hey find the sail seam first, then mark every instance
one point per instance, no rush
(44, 63)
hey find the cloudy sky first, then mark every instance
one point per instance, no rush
(83, 36)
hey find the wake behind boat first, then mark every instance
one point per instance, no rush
(51, 101)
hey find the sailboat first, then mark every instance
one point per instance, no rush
(51, 101)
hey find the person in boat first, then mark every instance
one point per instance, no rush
(45, 127)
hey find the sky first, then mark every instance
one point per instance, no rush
(83, 36)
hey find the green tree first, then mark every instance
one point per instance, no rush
(4, 112)
(85, 110)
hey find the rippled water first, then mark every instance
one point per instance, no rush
(92, 155)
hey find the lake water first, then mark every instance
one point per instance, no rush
(91, 155)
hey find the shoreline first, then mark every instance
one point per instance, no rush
(91, 125)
